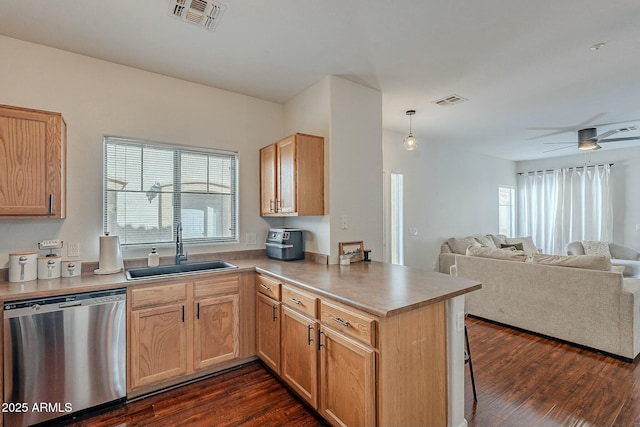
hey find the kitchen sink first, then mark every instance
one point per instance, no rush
(176, 269)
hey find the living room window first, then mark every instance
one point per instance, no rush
(149, 188)
(506, 210)
(558, 206)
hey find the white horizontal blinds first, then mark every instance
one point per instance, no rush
(149, 187)
(208, 190)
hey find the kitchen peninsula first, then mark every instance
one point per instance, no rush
(393, 327)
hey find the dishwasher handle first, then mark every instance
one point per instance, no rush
(70, 304)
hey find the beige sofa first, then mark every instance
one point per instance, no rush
(619, 254)
(593, 308)
(459, 245)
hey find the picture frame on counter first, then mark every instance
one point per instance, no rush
(354, 250)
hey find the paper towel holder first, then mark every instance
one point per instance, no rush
(110, 256)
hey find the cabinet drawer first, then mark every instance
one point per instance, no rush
(353, 323)
(156, 295)
(300, 301)
(216, 286)
(268, 286)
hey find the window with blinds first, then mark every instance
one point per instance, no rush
(150, 188)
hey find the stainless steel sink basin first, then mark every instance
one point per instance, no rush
(173, 270)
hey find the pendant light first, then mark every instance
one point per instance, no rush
(410, 142)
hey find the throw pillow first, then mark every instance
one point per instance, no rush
(527, 242)
(485, 241)
(504, 254)
(592, 247)
(591, 262)
(460, 245)
(498, 239)
(517, 246)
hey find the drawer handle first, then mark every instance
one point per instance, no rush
(342, 322)
(265, 287)
(295, 301)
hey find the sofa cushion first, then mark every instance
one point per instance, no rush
(527, 242)
(591, 262)
(506, 254)
(460, 245)
(592, 247)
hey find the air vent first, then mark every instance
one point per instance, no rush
(204, 13)
(449, 100)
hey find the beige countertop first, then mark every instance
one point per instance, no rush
(377, 288)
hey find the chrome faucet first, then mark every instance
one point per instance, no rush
(180, 254)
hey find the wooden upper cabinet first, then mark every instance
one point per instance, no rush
(32, 163)
(292, 177)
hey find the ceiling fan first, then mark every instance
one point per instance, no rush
(588, 138)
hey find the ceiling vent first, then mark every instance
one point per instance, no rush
(449, 100)
(204, 13)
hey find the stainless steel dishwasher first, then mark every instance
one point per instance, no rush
(62, 355)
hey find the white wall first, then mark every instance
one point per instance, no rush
(309, 112)
(625, 175)
(447, 193)
(349, 116)
(356, 166)
(98, 98)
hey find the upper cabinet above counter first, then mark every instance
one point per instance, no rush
(292, 177)
(32, 163)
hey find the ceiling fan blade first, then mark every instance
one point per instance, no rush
(606, 134)
(627, 138)
(556, 149)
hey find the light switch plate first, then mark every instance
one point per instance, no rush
(251, 238)
(73, 249)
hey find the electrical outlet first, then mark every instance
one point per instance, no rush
(460, 321)
(251, 238)
(344, 222)
(73, 249)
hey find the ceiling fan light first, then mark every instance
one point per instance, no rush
(588, 145)
(410, 143)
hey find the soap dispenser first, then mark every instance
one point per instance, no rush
(153, 259)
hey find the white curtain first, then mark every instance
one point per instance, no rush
(558, 206)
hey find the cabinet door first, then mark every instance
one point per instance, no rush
(268, 331)
(216, 330)
(287, 186)
(347, 380)
(299, 354)
(158, 344)
(32, 144)
(268, 180)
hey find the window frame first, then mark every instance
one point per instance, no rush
(178, 196)
(512, 209)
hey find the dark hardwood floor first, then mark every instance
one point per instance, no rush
(526, 380)
(522, 380)
(248, 396)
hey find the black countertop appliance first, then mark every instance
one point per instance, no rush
(285, 244)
